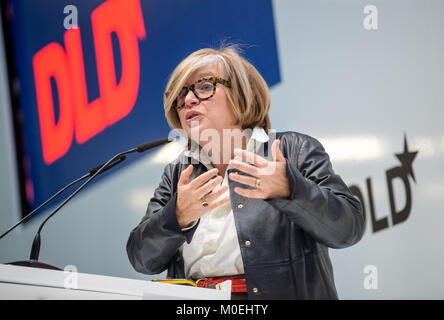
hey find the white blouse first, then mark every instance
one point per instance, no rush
(214, 250)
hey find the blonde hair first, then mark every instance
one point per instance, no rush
(249, 95)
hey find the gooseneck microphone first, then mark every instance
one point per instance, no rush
(35, 249)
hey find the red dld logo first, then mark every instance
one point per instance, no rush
(65, 65)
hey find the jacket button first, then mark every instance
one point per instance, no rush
(255, 290)
(240, 205)
(247, 243)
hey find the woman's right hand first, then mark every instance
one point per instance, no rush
(189, 195)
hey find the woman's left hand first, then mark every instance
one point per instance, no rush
(269, 178)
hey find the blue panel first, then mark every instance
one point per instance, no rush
(174, 28)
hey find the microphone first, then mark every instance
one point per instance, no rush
(91, 172)
(35, 249)
(152, 144)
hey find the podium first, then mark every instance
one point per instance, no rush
(32, 283)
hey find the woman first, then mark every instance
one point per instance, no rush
(243, 202)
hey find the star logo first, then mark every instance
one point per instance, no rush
(406, 158)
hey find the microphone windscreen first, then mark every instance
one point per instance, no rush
(152, 144)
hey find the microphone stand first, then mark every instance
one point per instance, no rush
(35, 249)
(91, 172)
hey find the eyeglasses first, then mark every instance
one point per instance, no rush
(203, 89)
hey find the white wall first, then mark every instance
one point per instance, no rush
(356, 90)
(359, 91)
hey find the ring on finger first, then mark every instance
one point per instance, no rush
(204, 203)
(258, 183)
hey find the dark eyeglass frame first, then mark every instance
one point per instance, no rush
(192, 87)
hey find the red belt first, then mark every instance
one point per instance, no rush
(238, 283)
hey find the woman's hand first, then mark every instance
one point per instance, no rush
(189, 195)
(271, 174)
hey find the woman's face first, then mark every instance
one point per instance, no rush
(213, 113)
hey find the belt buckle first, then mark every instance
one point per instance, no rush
(201, 279)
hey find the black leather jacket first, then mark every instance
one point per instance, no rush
(287, 256)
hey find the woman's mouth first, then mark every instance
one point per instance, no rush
(192, 116)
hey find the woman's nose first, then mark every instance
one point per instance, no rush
(191, 99)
